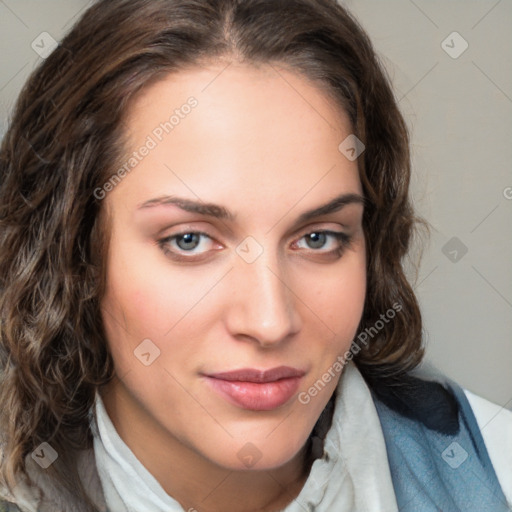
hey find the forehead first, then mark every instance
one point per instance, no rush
(257, 131)
(263, 98)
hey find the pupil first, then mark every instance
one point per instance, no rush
(317, 239)
(185, 240)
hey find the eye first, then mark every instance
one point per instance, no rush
(188, 245)
(189, 242)
(333, 242)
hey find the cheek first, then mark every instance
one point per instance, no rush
(142, 296)
(148, 301)
(340, 305)
(349, 299)
(137, 305)
(341, 301)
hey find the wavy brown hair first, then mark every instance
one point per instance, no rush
(67, 137)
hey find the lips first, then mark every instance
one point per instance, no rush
(257, 390)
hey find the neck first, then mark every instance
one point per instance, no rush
(199, 484)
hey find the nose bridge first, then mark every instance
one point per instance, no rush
(266, 305)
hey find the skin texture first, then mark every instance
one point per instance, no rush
(262, 142)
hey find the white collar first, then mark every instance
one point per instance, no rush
(352, 475)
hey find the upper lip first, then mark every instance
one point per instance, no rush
(259, 376)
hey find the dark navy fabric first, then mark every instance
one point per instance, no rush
(434, 471)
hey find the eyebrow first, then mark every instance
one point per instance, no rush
(220, 212)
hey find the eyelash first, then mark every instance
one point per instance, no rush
(343, 239)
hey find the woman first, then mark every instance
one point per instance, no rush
(204, 209)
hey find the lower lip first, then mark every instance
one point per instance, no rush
(256, 396)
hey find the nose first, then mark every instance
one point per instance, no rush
(262, 306)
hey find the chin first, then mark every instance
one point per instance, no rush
(261, 453)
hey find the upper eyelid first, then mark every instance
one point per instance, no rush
(214, 239)
(299, 232)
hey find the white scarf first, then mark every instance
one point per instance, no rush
(353, 474)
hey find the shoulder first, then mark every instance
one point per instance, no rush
(5, 506)
(42, 493)
(495, 424)
(427, 420)
(419, 400)
(424, 415)
(22, 499)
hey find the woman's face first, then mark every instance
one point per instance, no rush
(228, 294)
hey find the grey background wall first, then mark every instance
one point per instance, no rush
(450, 66)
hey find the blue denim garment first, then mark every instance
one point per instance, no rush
(434, 471)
